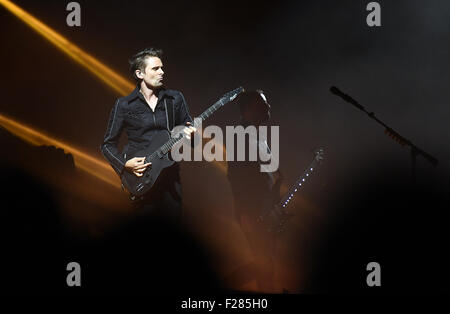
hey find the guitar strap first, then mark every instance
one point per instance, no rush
(170, 116)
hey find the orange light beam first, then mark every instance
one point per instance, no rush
(94, 166)
(107, 75)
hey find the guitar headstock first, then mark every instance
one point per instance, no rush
(230, 96)
(319, 154)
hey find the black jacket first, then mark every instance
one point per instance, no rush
(131, 114)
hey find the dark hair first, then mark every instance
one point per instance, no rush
(137, 62)
(252, 97)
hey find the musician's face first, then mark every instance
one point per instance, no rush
(153, 72)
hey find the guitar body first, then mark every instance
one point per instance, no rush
(275, 219)
(138, 186)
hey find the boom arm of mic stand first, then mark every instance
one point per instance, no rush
(395, 135)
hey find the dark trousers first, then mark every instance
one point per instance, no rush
(163, 201)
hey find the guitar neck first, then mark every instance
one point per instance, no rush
(299, 183)
(206, 114)
(222, 101)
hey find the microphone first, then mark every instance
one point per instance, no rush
(347, 98)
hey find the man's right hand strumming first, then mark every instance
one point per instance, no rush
(137, 165)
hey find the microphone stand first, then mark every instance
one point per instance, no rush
(391, 133)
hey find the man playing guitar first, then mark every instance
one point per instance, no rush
(252, 191)
(148, 110)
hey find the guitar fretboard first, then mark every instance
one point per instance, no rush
(164, 149)
(301, 181)
(170, 143)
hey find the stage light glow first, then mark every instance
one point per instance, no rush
(104, 73)
(100, 70)
(94, 166)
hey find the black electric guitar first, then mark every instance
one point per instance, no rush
(158, 151)
(274, 217)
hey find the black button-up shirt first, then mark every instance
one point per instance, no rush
(131, 114)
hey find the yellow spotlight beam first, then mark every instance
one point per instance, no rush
(121, 85)
(108, 76)
(83, 160)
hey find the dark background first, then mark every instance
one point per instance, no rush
(293, 50)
